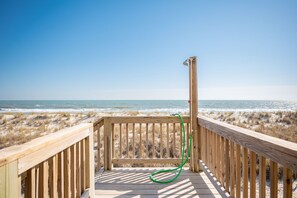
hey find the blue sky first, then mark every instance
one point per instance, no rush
(135, 49)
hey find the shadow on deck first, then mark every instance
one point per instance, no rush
(134, 182)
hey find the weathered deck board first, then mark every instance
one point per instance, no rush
(128, 182)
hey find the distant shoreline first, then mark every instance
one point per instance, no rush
(143, 106)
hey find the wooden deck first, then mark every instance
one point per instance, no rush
(134, 182)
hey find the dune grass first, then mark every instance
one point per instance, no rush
(18, 128)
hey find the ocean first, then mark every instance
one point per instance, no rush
(143, 106)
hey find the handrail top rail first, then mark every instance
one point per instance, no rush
(143, 119)
(270, 139)
(279, 150)
(145, 116)
(98, 120)
(142, 116)
(267, 138)
(16, 152)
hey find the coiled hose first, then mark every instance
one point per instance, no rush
(183, 162)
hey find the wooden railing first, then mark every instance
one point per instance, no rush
(56, 165)
(62, 164)
(138, 140)
(235, 156)
(238, 158)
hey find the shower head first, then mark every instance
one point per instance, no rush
(186, 62)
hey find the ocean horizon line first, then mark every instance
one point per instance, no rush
(145, 106)
(146, 100)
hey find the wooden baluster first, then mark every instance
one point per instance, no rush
(167, 149)
(30, 184)
(78, 169)
(98, 148)
(127, 139)
(174, 141)
(180, 140)
(211, 154)
(188, 137)
(37, 181)
(120, 143)
(154, 154)
(73, 170)
(252, 174)
(245, 173)
(120, 154)
(238, 169)
(273, 179)
(108, 143)
(211, 139)
(219, 157)
(43, 178)
(161, 141)
(262, 188)
(227, 165)
(205, 147)
(208, 148)
(133, 140)
(132, 143)
(66, 173)
(53, 176)
(147, 141)
(140, 142)
(210, 165)
(113, 140)
(82, 164)
(214, 161)
(232, 169)
(60, 175)
(202, 143)
(223, 161)
(287, 182)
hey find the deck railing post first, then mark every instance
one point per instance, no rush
(195, 130)
(90, 163)
(10, 182)
(107, 144)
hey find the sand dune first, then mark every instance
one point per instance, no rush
(17, 128)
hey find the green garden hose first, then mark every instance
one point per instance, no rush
(183, 162)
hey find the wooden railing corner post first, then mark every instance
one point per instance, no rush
(10, 182)
(90, 163)
(107, 144)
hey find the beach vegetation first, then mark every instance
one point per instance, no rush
(18, 128)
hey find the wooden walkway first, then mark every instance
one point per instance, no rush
(134, 182)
